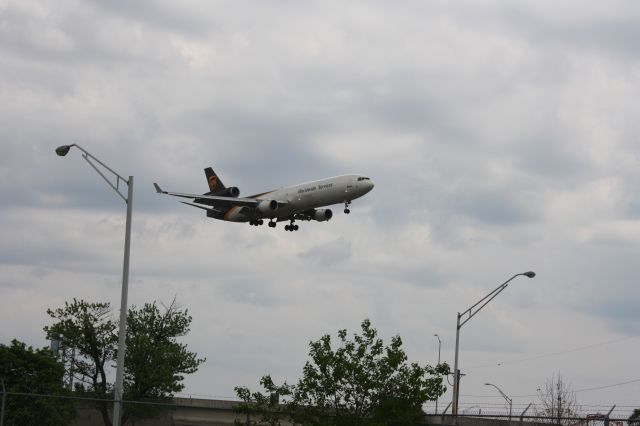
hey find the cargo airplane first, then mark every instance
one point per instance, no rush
(306, 201)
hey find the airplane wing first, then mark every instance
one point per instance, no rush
(218, 201)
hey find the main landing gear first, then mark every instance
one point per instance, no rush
(291, 227)
(346, 207)
(256, 222)
(272, 224)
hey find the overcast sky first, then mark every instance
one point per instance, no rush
(502, 137)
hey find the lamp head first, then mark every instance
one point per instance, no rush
(63, 150)
(530, 274)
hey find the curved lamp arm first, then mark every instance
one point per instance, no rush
(64, 150)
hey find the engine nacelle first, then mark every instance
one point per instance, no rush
(268, 207)
(322, 215)
(232, 191)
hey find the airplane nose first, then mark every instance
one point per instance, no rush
(370, 185)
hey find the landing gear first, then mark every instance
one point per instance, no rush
(291, 227)
(272, 224)
(256, 222)
(346, 207)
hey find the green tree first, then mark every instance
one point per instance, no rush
(90, 330)
(362, 381)
(634, 419)
(155, 362)
(25, 370)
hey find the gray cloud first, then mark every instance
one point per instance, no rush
(500, 137)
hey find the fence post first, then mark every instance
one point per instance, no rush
(4, 395)
(606, 419)
(445, 412)
(525, 410)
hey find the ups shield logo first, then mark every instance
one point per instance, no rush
(213, 182)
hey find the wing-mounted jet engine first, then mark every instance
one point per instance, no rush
(322, 215)
(268, 207)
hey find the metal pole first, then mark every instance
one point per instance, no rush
(456, 375)
(117, 403)
(439, 345)
(4, 395)
(468, 314)
(510, 408)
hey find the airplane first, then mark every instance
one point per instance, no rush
(306, 201)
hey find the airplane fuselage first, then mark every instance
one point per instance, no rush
(306, 201)
(304, 197)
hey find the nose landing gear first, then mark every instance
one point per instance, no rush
(346, 207)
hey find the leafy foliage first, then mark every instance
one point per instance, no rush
(360, 381)
(634, 419)
(155, 363)
(89, 329)
(25, 370)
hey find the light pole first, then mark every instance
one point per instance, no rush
(474, 309)
(509, 400)
(439, 346)
(128, 199)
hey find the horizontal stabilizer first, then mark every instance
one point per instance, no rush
(201, 207)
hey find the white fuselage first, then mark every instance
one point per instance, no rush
(311, 195)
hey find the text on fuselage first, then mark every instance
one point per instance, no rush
(313, 188)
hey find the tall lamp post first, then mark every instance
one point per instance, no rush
(509, 400)
(128, 199)
(439, 346)
(469, 313)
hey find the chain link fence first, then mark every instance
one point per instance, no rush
(27, 409)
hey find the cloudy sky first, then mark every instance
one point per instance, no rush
(502, 137)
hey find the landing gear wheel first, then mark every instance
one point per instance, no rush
(272, 224)
(347, 211)
(260, 222)
(295, 227)
(286, 227)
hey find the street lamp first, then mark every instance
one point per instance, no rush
(439, 345)
(509, 400)
(128, 199)
(474, 309)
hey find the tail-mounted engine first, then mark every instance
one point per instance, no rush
(322, 215)
(232, 191)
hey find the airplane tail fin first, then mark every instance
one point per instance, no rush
(214, 182)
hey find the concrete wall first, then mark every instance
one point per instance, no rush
(187, 412)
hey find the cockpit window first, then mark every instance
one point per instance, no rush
(363, 178)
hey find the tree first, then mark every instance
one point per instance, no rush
(360, 381)
(155, 363)
(90, 330)
(558, 401)
(25, 370)
(634, 419)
